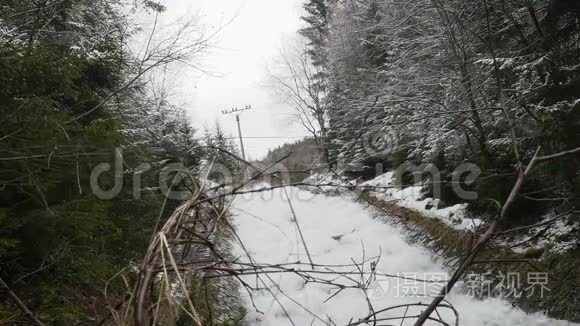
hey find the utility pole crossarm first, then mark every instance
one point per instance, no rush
(237, 112)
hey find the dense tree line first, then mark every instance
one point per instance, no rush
(449, 82)
(73, 95)
(298, 159)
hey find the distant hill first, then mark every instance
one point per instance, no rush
(304, 156)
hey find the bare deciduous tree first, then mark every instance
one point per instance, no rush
(296, 81)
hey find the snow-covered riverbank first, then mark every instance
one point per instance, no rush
(339, 231)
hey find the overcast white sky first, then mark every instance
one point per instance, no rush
(239, 57)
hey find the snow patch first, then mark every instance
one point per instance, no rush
(414, 198)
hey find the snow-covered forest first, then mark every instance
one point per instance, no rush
(438, 184)
(72, 94)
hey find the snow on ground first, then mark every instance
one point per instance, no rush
(556, 236)
(338, 231)
(330, 182)
(552, 237)
(414, 198)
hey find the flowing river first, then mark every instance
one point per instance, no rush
(340, 234)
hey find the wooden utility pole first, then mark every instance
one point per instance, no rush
(237, 112)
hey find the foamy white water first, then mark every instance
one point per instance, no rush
(337, 231)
